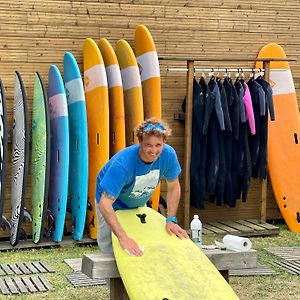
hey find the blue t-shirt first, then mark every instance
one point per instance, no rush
(130, 180)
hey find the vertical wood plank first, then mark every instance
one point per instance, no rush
(263, 182)
(188, 141)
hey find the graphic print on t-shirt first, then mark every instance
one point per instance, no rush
(145, 184)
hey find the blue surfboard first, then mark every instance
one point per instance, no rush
(78, 172)
(59, 161)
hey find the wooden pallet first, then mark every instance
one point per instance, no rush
(28, 244)
(25, 268)
(249, 227)
(259, 270)
(287, 253)
(292, 267)
(74, 263)
(24, 285)
(78, 279)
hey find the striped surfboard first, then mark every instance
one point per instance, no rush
(20, 156)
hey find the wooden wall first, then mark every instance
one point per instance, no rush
(36, 33)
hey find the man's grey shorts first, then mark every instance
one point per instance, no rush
(104, 233)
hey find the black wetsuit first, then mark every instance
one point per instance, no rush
(259, 108)
(224, 182)
(262, 157)
(242, 165)
(197, 183)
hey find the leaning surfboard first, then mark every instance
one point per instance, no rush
(183, 272)
(3, 151)
(116, 98)
(96, 94)
(283, 139)
(40, 158)
(78, 171)
(133, 97)
(147, 59)
(59, 161)
(20, 157)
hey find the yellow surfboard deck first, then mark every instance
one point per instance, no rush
(170, 268)
(147, 59)
(116, 97)
(283, 139)
(96, 94)
(133, 97)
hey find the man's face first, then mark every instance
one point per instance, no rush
(150, 148)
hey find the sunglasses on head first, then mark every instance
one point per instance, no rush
(158, 127)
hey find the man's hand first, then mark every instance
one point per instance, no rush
(173, 228)
(130, 246)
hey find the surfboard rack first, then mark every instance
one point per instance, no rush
(190, 71)
(27, 215)
(5, 224)
(50, 221)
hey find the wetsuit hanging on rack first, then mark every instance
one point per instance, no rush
(231, 139)
(224, 176)
(259, 107)
(197, 182)
(262, 160)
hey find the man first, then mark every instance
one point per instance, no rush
(128, 180)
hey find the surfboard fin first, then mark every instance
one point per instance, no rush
(142, 218)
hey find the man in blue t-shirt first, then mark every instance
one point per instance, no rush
(128, 180)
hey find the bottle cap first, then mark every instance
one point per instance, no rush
(196, 217)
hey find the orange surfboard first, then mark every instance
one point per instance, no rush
(147, 59)
(284, 138)
(116, 97)
(133, 97)
(96, 94)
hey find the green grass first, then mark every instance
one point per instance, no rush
(280, 286)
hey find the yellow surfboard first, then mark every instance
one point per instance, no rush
(133, 97)
(170, 268)
(283, 139)
(147, 59)
(116, 97)
(96, 94)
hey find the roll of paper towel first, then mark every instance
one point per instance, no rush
(236, 243)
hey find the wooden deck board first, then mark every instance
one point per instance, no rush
(3, 287)
(31, 287)
(20, 284)
(225, 228)
(287, 253)
(240, 227)
(12, 288)
(292, 267)
(259, 270)
(38, 283)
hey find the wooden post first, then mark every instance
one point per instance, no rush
(263, 185)
(188, 142)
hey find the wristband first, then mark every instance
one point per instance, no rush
(171, 219)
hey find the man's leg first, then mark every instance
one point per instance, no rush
(104, 233)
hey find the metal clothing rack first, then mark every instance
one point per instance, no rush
(190, 71)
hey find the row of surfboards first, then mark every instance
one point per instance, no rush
(76, 127)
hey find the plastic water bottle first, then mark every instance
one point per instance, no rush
(196, 230)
